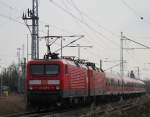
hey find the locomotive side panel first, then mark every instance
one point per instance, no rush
(78, 82)
(97, 83)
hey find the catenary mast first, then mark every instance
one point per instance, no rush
(32, 16)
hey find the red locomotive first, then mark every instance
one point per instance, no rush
(57, 81)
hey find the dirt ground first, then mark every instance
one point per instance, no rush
(11, 104)
(141, 110)
(16, 103)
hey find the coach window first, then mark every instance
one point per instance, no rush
(106, 82)
(112, 82)
(109, 82)
(125, 85)
(130, 84)
(118, 83)
(143, 86)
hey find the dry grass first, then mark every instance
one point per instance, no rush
(141, 110)
(11, 104)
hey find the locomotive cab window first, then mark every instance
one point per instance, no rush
(37, 69)
(50, 69)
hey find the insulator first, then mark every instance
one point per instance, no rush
(48, 47)
(141, 18)
(31, 12)
(28, 13)
(23, 15)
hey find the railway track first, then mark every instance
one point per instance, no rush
(24, 114)
(109, 109)
(100, 110)
(53, 112)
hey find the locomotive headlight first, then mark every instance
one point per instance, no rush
(34, 82)
(57, 87)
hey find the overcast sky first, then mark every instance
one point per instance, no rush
(100, 21)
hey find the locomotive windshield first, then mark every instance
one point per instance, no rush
(51, 69)
(44, 69)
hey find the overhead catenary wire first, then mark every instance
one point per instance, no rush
(13, 19)
(72, 3)
(95, 54)
(86, 24)
(99, 45)
(91, 38)
(87, 34)
(91, 28)
(92, 20)
(10, 18)
(11, 6)
(64, 2)
(56, 27)
(138, 43)
(17, 19)
(82, 14)
(6, 5)
(116, 65)
(88, 38)
(68, 44)
(132, 9)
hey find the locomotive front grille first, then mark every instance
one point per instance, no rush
(44, 96)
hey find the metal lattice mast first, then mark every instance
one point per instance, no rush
(32, 15)
(35, 30)
(121, 56)
(123, 38)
